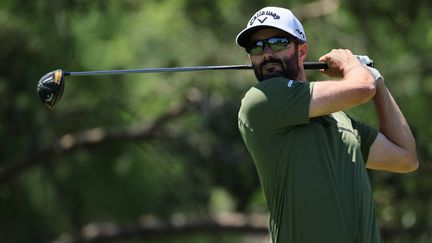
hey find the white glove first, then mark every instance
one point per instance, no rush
(365, 61)
(375, 73)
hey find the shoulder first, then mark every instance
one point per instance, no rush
(262, 93)
(276, 102)
(280, 82)
(275, 87)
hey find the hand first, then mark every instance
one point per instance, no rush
(339, 61)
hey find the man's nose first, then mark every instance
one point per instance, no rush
(267, 51)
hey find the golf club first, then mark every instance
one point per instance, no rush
(50, 87)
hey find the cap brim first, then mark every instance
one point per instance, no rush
(244, 36)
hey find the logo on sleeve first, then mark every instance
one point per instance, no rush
(290, 83)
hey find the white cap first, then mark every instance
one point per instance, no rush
(280, 18)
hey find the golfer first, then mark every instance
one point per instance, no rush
(310, 156)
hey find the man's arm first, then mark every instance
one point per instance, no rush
(356, 87)
(394, 148)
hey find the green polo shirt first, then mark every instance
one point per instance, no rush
(312, 171)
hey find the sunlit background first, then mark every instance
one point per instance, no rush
(158, 157)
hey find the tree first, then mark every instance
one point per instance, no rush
(120, 147)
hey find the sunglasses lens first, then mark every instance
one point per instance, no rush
(255, 48)
(276, 44)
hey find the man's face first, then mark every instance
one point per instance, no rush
(271, 63)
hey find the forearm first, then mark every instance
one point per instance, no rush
(392, 122)
(357, 87)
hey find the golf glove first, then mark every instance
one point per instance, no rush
(375, 73)
(365, 60)
(368, 63)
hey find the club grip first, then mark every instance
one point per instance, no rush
(315, 65)
(364, 60)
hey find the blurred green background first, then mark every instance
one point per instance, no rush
(158, 157)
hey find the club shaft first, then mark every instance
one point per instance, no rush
(307, 65)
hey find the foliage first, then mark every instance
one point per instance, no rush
(197, 164)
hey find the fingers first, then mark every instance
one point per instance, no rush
(339, 62)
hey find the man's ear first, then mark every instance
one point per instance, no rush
(303, 51)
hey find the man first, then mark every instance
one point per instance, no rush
(310, 156)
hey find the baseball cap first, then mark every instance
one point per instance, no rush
(276, 17)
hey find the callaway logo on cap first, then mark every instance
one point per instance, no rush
(280, 18)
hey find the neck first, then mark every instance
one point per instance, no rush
(302, 74)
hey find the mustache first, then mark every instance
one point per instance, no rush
(273, 60)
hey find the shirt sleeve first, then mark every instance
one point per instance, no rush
(276, 104)
(367, 135)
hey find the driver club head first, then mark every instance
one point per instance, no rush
(50, 88)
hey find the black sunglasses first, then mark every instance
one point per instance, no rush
(275, 43)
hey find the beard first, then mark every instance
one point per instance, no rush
(290, 68)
